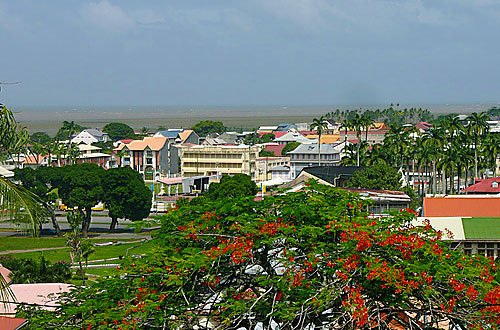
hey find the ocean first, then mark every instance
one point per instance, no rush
(48, 119)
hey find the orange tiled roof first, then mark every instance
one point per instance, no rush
(154, 143)
(462, 206)
(325, 138)
(185, 134)
(34, 159)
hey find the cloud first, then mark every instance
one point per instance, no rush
(108, 17)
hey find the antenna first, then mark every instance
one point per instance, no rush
(8, 83)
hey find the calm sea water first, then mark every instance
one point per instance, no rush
(49, 118)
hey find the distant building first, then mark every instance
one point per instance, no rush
(306, 155)
(92, 154)
(153, 157)
(275, 148)
(336, 176)
(217, 160)
(294, 137)
(485, 186)
(180, 135)
(284, 173)
(267, 129)
(374, 136)
(89, 136)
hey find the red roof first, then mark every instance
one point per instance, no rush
(126, 141)
(307, 132)
(485, 186)
(276, 134)
(423, 125)
(11, 323)
(276, 149)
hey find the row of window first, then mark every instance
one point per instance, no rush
(487, 249)
(214, 155)
(211, 165)
(315, 156)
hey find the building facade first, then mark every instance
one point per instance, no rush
(199, 160)
(306, 155)
(153, 157)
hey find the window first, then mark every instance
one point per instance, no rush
(149, 161)
(494, 184)
(149, 153)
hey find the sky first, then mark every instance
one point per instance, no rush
(251, 52)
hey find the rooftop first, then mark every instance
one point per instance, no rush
(488, 186)
(313, 149)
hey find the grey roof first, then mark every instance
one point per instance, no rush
(95, 132)
(292, 136)
(326, 149)
(170, 134)
(330, 173)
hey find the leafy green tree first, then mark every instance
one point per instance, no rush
(41, 137)
(39, 182)
(291, 146)
(379, 176)
(266, 138)
(119, 131)
(251, 139)
(206, 127)
(68, 128)
(313, 259)
(81, 187)
(28, 271)
(238, 185)
(125, 195)
(266, 153)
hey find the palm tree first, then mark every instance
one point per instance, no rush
(319, 124)
(478, 127)
(16, 203)
(358, 123)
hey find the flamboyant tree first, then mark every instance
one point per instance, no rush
(306, 260)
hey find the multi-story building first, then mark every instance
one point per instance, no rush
(153, 157)
(306, 155)
(265, 164)
(374, 136)
(216, 160)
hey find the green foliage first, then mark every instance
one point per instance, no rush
(119, 131)
(301, 260)
(291, 146)
(41, 138)
(68, 128)
(126, 195)
(494, 112)
(269, 137)
(206, 127)
(266, 153)
(379, 176)
(27, 271)
(238, 185)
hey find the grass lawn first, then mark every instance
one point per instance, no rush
(101, 271)
(101, 252)
(26, 243)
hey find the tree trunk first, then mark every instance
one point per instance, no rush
(54, 220)
(434, 177)
(86, 222)
(114, 221)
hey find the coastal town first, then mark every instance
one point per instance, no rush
(249, 165)
(400, 163)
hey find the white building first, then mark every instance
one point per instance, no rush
(89, 136)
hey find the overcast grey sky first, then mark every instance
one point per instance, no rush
(199, 52)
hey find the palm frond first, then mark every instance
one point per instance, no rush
(21, 206)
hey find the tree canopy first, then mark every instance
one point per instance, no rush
(291, 146)
(206, 127)
(119, 131)
(379, 176)
(304, 260)
(125, 195)
(238, 185)
(81, 187)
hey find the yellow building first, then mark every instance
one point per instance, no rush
(265, 164)
(217, 160)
